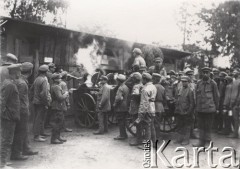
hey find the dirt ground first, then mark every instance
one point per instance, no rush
(83, 150)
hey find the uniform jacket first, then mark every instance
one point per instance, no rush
(135, 98)
(4, 72)
(232, 94)
(227, 98)
(64, 88)
(121, 100)
(58, 98)
(22, 85)
(10, 103)
(139, 61)
(222, 88)
(41, 91)
(103, 99)
(160, 100)
(207, 96)
(162, 71)
(148, 95)
(184, 101)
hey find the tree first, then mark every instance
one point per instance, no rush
(224, 24)
(150, 52)
(35, 10)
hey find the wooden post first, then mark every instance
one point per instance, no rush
(36, 63)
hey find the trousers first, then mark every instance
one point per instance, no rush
(184, 126)
(7, 134)
(39, 117)
(121, 117)
(103, 121)
(58, 124)
(236, 120)
(205, 121)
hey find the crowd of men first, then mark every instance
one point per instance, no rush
(210, 102)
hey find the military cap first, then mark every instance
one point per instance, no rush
(15, 67)
(147, 76)
(228, 78)
(43, 68)
(51, 65)
(215, 70)
(136, 75)
(121, 77)
(11, 56)
(142, 67)
(27, 66)
(180, 73)
(173, 76)
(185, 78)
(104, 78)
(204, 69)
(188, 71)
(137, 51)
(56, 76)
(156, 75)
(223, 74)
(172, 72)
(158, 59)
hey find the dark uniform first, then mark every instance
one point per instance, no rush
(10, 106)
(207, 99)
(121, 107)
(41, 101)
(58, 107)
(184, 110)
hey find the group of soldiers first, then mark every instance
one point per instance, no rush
(49, 96)
(211, 102)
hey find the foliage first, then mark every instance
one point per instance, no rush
(35, 10)
(150, 52)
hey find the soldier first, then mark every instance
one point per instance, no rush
(207, 100)
(6, 61)
(64, 87)
(146, 111)
(227, 118)
(41, 101)
(158, 67)
(103, 105)
(21, 139)
(184, 110)
(160, 101)
(234, 104)
(134, 105)
(58, 99)
(138, 59)
(10, 111)
(121, 106)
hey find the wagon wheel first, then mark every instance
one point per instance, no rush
(166, 123)
(130, 127)
(87, 116)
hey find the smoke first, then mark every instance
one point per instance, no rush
(89, 57)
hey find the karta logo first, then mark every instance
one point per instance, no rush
(153, 155)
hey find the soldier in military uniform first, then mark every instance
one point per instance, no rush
(207, 101)
(146, 111)
(138, 59)
(58, 107)
(158, 67)
(103, 105)
(121, 106)
(184, 110)
(160, 100)
(41, 101)
(21, 145)
(10, 111)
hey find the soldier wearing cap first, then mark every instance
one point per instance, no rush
(158, 67)
(134, 104)
(138, 59)
(146, 112)
(21, 145)
(218, 119)
(207, 100)
(184, 110)
(121, 106)
(234, 102)
(10, 110)
(215, 72)
(41, 101)
(160, 100)
(103, 105)
(6, 61)
(58, 99)
(64, 87)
